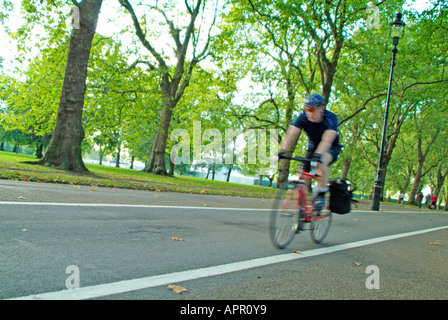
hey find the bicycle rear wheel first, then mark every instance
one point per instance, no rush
(320, 224)
(285, 215)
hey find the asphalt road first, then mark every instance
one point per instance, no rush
(120, 240)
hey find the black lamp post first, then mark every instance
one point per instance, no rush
(396, 33)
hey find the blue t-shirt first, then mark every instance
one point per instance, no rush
(316, 130)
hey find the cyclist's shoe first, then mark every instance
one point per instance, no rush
(319, 201)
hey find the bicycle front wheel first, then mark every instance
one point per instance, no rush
(320, 224)
(285, 215)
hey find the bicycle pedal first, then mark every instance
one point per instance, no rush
(300, 228)
(303, 230)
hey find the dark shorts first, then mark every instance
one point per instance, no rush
(334, 151)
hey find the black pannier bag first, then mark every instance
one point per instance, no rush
(340, 197)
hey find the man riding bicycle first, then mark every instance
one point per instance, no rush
(321, 127)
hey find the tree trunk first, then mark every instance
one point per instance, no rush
(171, 169)
(64, 151)
(16, 147)
(271, 179)
(39, 150)
(446, 199)
(418, 173)
(228, 173)
(172, 85)
(421, 157)
(283, 172)
(117, 160)
(346, 167)
(156, 162)
(389, 148)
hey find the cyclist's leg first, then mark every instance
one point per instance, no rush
(321, 221)
(327, 158)
(307, 167)
(323, 171)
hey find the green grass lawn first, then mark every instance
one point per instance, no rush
(13, 168)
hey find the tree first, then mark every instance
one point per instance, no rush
(428, 135)
(32, 103)
(118, 94)
(303, 42)
(64, 151)
(360, 88)
(174, 79)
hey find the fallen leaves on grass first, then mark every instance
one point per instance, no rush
(177, 289)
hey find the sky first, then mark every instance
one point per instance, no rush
(104, 27)
(9, 51)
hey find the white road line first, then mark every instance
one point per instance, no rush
(102, 290)
(63, 204)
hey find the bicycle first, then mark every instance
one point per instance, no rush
(294, 206)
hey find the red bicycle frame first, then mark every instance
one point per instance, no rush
(293, 206)
(302, 198)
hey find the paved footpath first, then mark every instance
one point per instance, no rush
(110, 245)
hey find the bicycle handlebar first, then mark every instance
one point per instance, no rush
(300, 159)
(312, 172)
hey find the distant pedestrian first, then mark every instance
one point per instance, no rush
(433, 201)
(420, 199)
(427, 200)
(401, 200)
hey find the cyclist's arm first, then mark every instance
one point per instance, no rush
(327, 140)
(291, 137)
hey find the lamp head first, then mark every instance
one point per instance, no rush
(397, 29)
